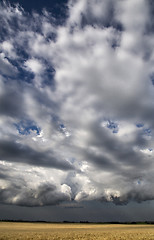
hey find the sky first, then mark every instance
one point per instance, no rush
(77, 110)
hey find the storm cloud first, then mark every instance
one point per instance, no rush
(76, 103)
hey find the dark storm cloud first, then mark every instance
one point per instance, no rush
(16, 152)
(121, 154)
(45, 194)
(11, 100)
(136, 195)
(24, 188)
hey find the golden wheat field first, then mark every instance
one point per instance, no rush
(44, 231)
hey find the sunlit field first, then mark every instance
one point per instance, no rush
(44, 231)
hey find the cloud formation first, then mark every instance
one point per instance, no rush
(76, 104)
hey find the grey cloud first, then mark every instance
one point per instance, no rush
(102, 15)
(134, 195)
(150, 25)
(7, 68)
(11, 100)
(17, 152)
(119, 151)
(45, 194)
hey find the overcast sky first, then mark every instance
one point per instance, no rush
(77, 110)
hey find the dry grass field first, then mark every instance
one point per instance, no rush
(44, 231)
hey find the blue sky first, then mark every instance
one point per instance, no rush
(76, 110)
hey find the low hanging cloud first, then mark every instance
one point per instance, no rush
(76, 104)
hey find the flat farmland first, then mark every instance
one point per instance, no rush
(47, 231)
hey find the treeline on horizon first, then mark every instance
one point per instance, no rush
(81, 222)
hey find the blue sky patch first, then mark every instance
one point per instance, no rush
(113, 126)
(26, 127)
(139, 125)
(147, 131)
(57, 7)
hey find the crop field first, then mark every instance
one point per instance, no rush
(45, 231)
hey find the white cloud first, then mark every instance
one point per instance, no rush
(35, 66)
(7, 47)
(133, 15)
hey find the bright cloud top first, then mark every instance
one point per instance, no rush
(76, 104)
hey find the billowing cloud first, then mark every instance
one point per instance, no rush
(31, 190)
(76, 104)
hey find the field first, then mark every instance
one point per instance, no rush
(45, 231)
